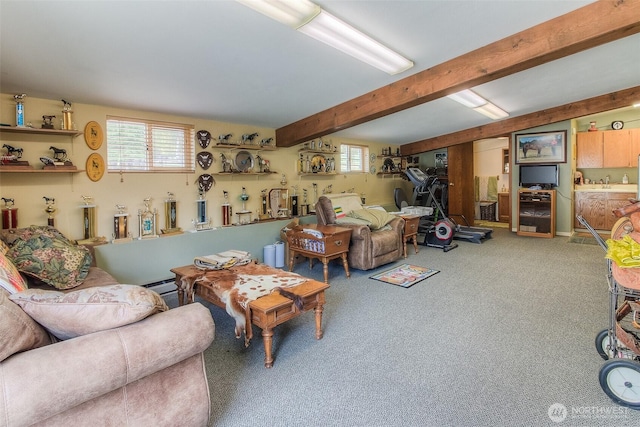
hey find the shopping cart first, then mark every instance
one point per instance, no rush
(619, 344)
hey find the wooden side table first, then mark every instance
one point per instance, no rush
(334, 243)
(411, 224)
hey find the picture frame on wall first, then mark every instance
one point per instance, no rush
(440, 160)
(541, 147)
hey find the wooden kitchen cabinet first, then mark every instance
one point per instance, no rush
(597, 207)
(592, 207)
(608, 149)
(589, 150)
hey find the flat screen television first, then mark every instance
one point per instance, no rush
(546, 176)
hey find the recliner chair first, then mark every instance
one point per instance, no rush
(368, 249)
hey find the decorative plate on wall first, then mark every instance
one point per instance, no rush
(204, 159)
(93, 135)
(204, 138)
(244, 161)
(95, 167)
(205, 182)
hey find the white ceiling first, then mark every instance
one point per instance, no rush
(222, 61)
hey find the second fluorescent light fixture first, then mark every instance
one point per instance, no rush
(473, 100)
(310, 19)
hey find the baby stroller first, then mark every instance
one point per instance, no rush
(619, 344)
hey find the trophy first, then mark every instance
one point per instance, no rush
(312, 208)
(67, 123)
(244, 213)
(49, 209)
(9, 214)
(19, 109)
(304, 208)
(89, 223)
(171, 216)
(202, 222)
(264, 207)
(121, 225)
(147, 221)
(12, 158)
(294, 202)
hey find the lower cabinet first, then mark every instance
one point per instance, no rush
(597, 207)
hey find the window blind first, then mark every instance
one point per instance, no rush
(137, 145)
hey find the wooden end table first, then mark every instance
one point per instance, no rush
(268, 311)
(334, 243)
(411, 224)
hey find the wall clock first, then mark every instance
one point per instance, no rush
(617, 124)
(95, 167)
(93, 135)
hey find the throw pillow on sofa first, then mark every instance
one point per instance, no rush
(72, 314)
(10, 278)
(18, 332)
(51, 259)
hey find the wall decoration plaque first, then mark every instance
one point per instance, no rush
(204, 159)
(204, 138)
(93, 135)
(95, 167)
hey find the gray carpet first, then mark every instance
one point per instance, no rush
(505, 330)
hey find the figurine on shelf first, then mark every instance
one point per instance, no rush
(47, 122)
(248, 138)
(59, 154)
(227, 167)
(224, 138)
(13, 151)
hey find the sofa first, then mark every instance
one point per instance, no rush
(376, 237)
(100, 353)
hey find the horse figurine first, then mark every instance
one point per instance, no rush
(226, 163)
(60, 154)
(266, 141)
(13, 151)
(224, 138)
(248, 138)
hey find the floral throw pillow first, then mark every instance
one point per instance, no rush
(51, 259)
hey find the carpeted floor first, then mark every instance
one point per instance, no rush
(501, 336)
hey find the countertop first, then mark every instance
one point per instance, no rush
(611, 188)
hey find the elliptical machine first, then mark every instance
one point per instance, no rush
(439, 230)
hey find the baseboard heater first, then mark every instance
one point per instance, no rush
(163, 287)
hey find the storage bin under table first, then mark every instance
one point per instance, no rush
(325, 242)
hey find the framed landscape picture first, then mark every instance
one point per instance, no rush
(543, 147)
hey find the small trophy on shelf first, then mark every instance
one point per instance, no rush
(202, 222)
(170, 216)
(9, 214)
(264, 206)
(147, 221)
(121, 225)
(50, 210)
(244, 213)
(89, 234)
(47, 122)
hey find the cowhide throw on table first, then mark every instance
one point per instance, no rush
(236, 287)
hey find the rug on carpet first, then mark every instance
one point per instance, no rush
(405, 275)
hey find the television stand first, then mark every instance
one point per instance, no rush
(536, 213)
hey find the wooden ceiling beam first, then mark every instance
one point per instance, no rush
(592, 25)
(598, 104)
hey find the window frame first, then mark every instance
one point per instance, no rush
(149, 138)
(365, 158)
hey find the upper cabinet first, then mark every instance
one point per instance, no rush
(608, 149)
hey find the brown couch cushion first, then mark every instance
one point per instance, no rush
(18, 332)
(376, 218)
(75, 313)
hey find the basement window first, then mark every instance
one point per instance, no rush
(354, 158)
(136, 145)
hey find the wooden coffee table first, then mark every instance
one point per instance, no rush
(266, 312)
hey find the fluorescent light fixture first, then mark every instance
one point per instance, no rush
(293, 13)
(468, 98)
(311, 20)
(492, 111)
(471, 99)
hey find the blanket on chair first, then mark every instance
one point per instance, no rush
(236, 287)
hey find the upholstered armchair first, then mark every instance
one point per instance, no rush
(372, 245)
